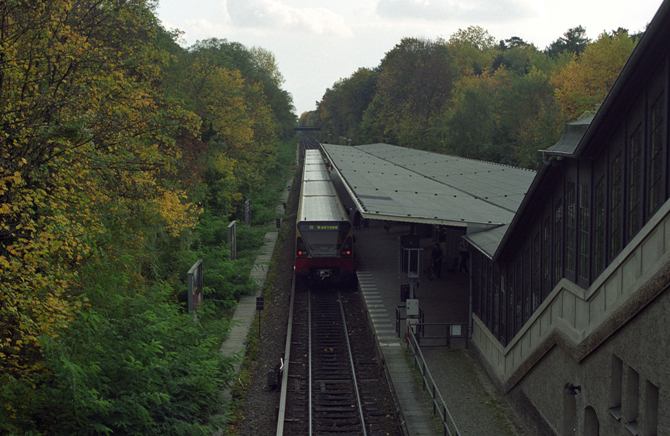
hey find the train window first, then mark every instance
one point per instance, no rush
(323, 239)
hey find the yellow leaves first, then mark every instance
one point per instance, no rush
(584, 81)
(223, 165)
(177, 213)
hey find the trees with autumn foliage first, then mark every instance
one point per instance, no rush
(473, 97)
(585, 80)
(122, 156)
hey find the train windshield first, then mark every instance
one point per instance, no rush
(323, 239)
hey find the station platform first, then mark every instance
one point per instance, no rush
(475, 404)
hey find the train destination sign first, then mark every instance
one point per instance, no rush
(324, 227)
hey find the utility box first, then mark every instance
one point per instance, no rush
(412, 312)
(412, 308)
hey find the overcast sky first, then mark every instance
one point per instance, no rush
(317, 42)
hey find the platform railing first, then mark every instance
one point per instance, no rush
(441, 334)
(439, 406)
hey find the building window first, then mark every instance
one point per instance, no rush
(651, 410)
(584, 232)
(558, 240)
(630, 397)
(485, 292)
(546, 255)
(511, 294)
(495, 290)
(476, 286)
(616, 200)
(527, 303)
(535, 276)
(599, 227)
(656, 161)
(486, 285)
(616, 378)
(570, 228)
(518, 301)
(591, 424)
(635, 183)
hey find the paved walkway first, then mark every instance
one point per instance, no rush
(240, 324)
(477, 407)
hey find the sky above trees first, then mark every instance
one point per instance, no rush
(317, 42)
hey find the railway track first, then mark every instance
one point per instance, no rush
(333, 383)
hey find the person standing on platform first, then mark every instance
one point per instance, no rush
(436, 256)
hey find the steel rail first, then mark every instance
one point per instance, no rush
(351, 363)
(309, 358)
(287, 358)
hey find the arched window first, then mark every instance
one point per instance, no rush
(591, 425)
(569, 412)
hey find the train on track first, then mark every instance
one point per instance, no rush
(324, 248)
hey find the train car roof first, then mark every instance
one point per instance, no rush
(318, 199)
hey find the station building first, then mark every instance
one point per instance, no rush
(569, 266)
(570, 300)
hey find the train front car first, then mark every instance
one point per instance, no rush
(324, 239)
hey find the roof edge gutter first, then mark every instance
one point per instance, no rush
(352, 194)
(415, 219)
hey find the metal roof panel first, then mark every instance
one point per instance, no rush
(382, 187)
(487, 241)
(501, 185)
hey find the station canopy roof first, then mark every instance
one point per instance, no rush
(401, 184)
(487, 241)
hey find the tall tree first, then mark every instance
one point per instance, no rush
(583, 83)
(83, 127)
(471, 50)
(414, 84)
(573, 41)
(342, 106)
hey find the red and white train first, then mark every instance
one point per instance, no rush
(324, 237)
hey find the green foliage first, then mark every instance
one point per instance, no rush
(341, 108)
(573, 41)
(472, 97)
(131, 362)
(583, 82)
(122, 159)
